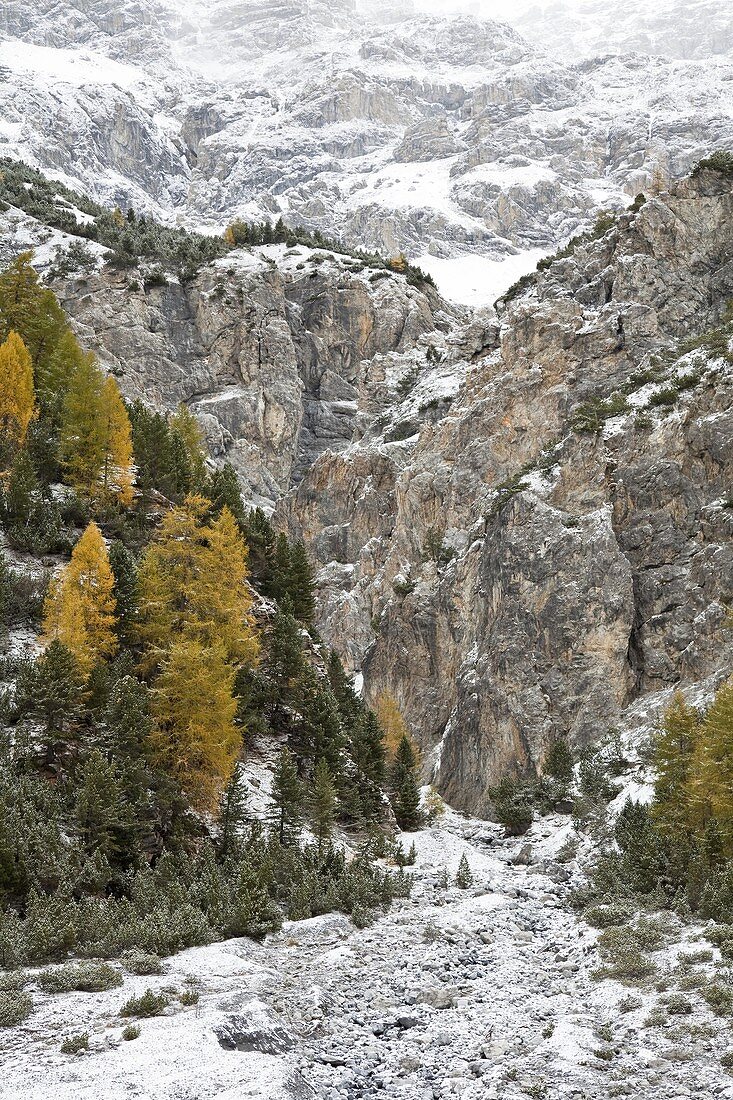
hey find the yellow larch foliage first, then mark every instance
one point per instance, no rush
(116, 444)
(79, 609)
(194, 707)
(17, 397)
(193, 582)
(710, 784)
(393, 724)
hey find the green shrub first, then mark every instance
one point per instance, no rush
(148, 1004)
(607, 916)
(130, 1031)
(13, 979)
(84, 977)
(677, 1005)
(721, 161)
(15, 1006)
(75, 1043)
(189, 997)
(719, 997)
(140, 962)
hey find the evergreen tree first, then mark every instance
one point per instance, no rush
(223, 491)
(405, 789)
(260, 538)
(369, 757)
(464, 875)
(711, 777)
(53, 376)
(232, 816)
(300, 584)
(323, 802)
(79, 609)
(194, 708)
(559, 761)
(17, 395)
(6, 593)
(55, 693)
(100, 807)
(317, 732)
(287, 798)
(285, 660)
(124, 568)
(21, 491)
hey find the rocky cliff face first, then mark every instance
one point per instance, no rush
(439, 137)
(510, 573)
(280, 360)
(521, 524)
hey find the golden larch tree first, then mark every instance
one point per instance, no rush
(17, 397)
(194, 708)
(117, 473)
(393, 724)
(79, 609)
(30, 309)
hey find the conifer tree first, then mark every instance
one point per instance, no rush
(116, 471)
(193, 582)
(300, 584)
(79, 609)
(55, 693)
(22, 489)
(81, 447)
(100, 806)
(323, 802)
(124, 568)
(31, 310)
(195, 735)
(17, 395)
(711, 778)
(223, 490)
(317, 733)
(559, 761)
(405, 789)
(673, 755)
(464, 875)
(285, 660)
(53, 376)
(185, 427)
(232, 816)
(392, 722)
(287, 798)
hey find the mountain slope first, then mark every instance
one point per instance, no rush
(437, 137)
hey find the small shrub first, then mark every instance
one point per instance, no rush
(719, 998)
(656, 1018)
(666, 396)
(361, 916)
(15, 1006)
(629, 1003)
(86, 978)
(12, 980)
(130, 1031)
(464, 875)
(142, 963)
(149, 1004)
(189, 997)
(727, 1060)
(75, 1043)
(721, 161)
(678, 1005)
(607, 916)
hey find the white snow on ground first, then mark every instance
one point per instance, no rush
(478, 280)
(485, 993)
(72, 66)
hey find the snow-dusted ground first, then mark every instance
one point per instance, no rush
(485, 994)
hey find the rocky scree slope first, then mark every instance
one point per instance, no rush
(436, 136)
(559, 542)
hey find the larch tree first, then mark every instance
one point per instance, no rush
(96, 437)
(392, 722)
(185, 426)
(31, 310)
(116, 474)
(194, 707)
(17, 395)
(79, 610)
(193, 582)
(673, 808)
(710, 784)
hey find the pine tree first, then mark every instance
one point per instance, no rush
(223, 491)
(17, 396)
(6, 593)
(285, 661)
(232, 816)
(301, 585)
(559, 760)
(100, 806)
(22, 490)
(194, 708)
(405, 789)
(79, 609)
(124, 568)
(116, 468)
(317, 733)
(323, 803)
(287, 798)
(464, 875)
(369, 757)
